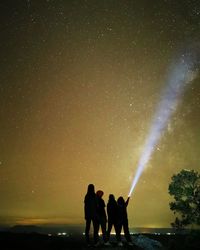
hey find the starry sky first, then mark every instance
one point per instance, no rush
(79, 84)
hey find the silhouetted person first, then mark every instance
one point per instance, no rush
(112, 212)
(123, 219)
(90, 209)
(102, 215)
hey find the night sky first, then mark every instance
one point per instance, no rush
(79, 85)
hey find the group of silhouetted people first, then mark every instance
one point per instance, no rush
(116, 216)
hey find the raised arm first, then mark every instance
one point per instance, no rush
(127, 201)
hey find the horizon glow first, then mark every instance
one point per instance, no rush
(181, 73)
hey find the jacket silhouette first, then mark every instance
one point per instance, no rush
(112, 212)
(90, 211)
(123, 218)
(102, 219)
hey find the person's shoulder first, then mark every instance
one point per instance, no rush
(87, 196)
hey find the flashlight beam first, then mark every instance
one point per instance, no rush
(181, 74)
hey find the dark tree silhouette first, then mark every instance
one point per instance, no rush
(185, 188)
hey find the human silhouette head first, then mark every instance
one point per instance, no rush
(121, 201)
(111, 197)
(90, 189)
(99, 193)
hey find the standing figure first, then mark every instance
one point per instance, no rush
(123, 219)
(112, 212)
(90, 209)
(102, 215)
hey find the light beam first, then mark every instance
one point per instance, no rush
(181, 73)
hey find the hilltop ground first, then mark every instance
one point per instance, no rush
(147, 242)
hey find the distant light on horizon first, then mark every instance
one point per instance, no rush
(62, 234)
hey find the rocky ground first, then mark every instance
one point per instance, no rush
(140, 241)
